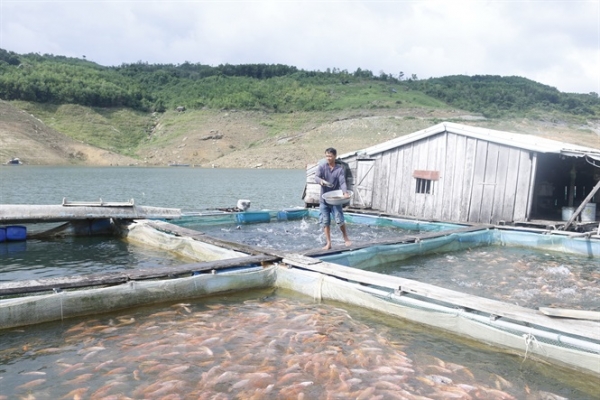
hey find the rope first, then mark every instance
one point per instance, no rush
(319, 292)
(530, 341)
(60, 292)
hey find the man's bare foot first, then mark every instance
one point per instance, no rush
(348, 243)
(327, 246)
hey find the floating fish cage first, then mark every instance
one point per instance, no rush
(386, 275)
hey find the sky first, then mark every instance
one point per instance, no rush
(556, 43)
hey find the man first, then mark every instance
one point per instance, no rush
(331, 177)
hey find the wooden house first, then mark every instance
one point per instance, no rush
(457, 173)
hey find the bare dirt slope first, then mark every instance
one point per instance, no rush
(230, 139)
(242, 140)
(34, 143)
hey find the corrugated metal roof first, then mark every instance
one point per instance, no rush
(522, 141)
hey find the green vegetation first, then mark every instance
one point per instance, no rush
(273, 88)
(110, 107)
(61, 80)
(496, 96)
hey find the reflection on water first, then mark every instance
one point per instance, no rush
(515, 275)
(35, 259)
(270, 347)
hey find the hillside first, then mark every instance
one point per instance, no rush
(238, 139)
(26, 137)
(56, 110)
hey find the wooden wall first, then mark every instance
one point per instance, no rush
(479, 181)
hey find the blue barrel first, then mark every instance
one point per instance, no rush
(252, 217)
(288, 215)
(16, 233)
(2, 234)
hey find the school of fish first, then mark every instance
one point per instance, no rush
(279, 348)
(521, 276)
(273, 347)
(298, 235)
(526, 277)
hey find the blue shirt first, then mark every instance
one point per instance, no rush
(335, 176)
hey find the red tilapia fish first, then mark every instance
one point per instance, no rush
(270, 348)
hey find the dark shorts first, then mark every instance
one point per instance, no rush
(326, 210)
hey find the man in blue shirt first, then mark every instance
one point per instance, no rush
(331, 177)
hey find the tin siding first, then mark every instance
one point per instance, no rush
(417, 207)
(469, 176)
(453, 179)
(439, 163)
(499, 210)
(476, 198)
(406, 192)
(382, 175)
(524, 183)
(480, 182)
(490, 184)
(394, 183)
(508, 173)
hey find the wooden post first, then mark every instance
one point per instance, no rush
(571, 193)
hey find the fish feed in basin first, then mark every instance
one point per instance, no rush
(336, 197)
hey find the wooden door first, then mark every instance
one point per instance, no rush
(363, 184)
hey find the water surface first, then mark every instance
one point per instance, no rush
(177, 187)
(70, 256)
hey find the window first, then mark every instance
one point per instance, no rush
(424, 186)
(425, 180)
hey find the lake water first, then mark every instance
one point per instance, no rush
(99, 354)
(190, 189)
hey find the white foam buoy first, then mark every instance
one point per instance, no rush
(243, 205)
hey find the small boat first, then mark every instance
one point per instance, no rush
(179, 165)
(14, 161)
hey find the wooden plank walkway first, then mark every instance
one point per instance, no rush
(401, 239)
(26, 213)
(570, 313)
